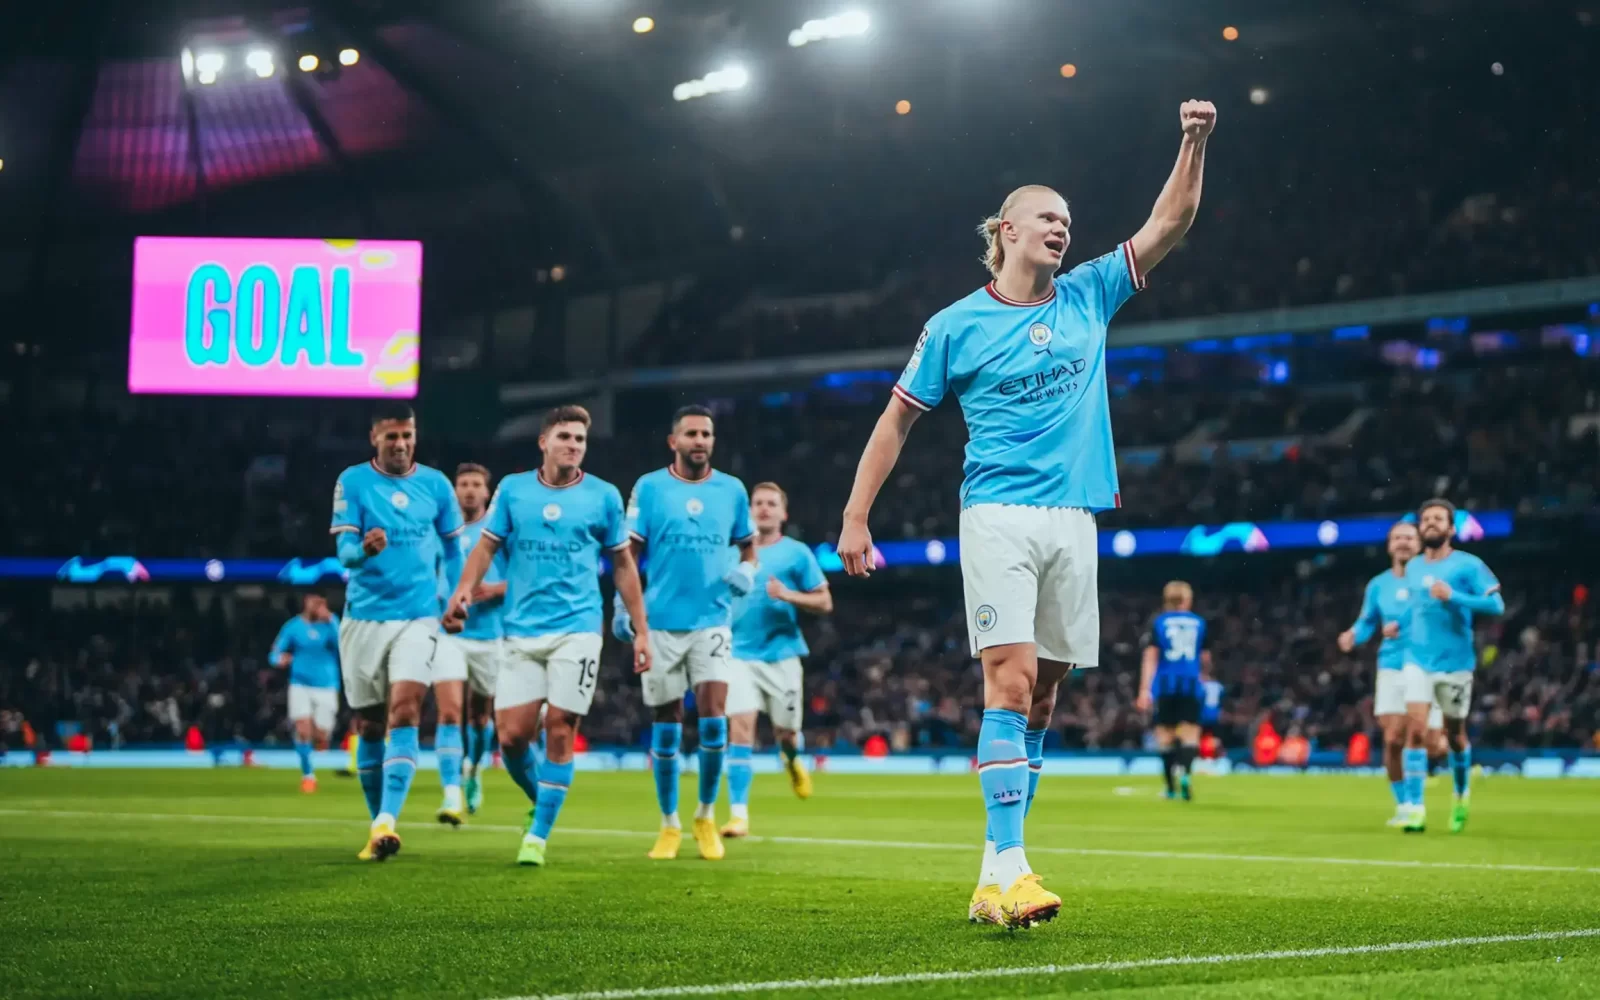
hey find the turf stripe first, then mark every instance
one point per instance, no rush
(901, 845)
(1173, 961)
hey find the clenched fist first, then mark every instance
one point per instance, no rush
(1198, 118)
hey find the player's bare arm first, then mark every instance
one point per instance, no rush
(1147, 676)
(817, 602)
(625, 572)
(877, 461)
(472, 574)
(1179, 201)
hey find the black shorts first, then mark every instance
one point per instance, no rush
(1176, 709)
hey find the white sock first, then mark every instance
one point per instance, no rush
(383, 819)
(1010, 865)
(705, 810)
(452, 797)
(536, 840)
(739, 812)
(671, 820)
(986, 874)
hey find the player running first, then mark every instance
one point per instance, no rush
(1025, 355)
(1174, 658)
(394, 520)
(1448, 587)
(1384, 609)
(686, 517)
(553, 523)
(766, 675)
(308, 647)
(479, 638)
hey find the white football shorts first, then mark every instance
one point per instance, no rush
(560, 669)
(375, 655)
(683, 660)
(1389, 698)
(320, 705)
(1031, 574)
(1451, 693)
(776, 689)
(483, 663)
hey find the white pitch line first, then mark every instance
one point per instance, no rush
(899, 845)
(1172, 961)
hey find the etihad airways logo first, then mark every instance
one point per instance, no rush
(1057, 379)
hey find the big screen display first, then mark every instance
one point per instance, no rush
(261, 317)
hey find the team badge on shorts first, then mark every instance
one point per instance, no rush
(984, 618)
(552, 512)
(400, 500)
(694, 507)
(1039, 334)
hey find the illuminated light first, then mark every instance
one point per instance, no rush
(188, 64)
(349, 57)
(210, 63)
(260, 61)
(643, 25)
(1230, 33)
(558, 273)
(206, 79)
(1069, 70)
(2, 164)
(309, 63)
(902, 107)
(847, 25)
(1497, 69)
(716, 82)
(1259, 95)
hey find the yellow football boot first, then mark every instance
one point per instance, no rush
(382, 844)
(1027, 903)
(985, 905)
(799, 777)
(709, 841)
(736, 827)
(450, 815)
(667, 842)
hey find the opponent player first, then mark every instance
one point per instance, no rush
(1384, 609)
(1169, 679)
(1448, 587)
(553, 522)
(767, 645)
(394, 520)
(308, 647)
(1025, 355)
(479, 639)
(686, 517)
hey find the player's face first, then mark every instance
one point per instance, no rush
(767, 510)
(1403, 542)
(565, 444)
(1040, 222)
(1436, 526)
(315, 607)
(693, 439)
(396, 444)
(472, 492)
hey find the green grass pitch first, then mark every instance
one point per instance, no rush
(108, 890)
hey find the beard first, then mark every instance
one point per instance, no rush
(1434, 541)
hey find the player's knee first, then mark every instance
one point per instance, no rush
(671, 712)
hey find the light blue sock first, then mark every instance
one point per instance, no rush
(1461, 770)
(369, 768)
(1033, 740)
(1003, 774)
(740, 774)
(303, 748)
(554, 780)
(1416, 769)
(665, 738)
(1399, 790)
(399, 767)
(447, 746)
(713, 746)
(521, 765)
(478, 746)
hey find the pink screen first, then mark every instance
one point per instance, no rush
(275, 317)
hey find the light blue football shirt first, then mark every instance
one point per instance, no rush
(313, 648)
(552, 537)
(487, 620)
(688, 530)
(1440, 636)
(1031, 381)
(766, 629)
(1388, 599)
(418, 512)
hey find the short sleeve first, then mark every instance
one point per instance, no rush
(1105, 282)
(346, 505)
(637, 516)
(613, 527)
(1483, 579)
(448, 522)
(927, 375)
(809, 570)
(741, 516)
(497, 522)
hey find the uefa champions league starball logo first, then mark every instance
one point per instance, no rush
(552, 512)
(694, 507)
(400, 500)
(1039, 334)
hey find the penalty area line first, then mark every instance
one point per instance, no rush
(1127, 965)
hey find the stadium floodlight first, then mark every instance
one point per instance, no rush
(210, 63)
(309, 63)
(1259, 95)
(349, 57)
(261, 62)
(847, 25)
(187, 61)
(643, 25)
(716, 82)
